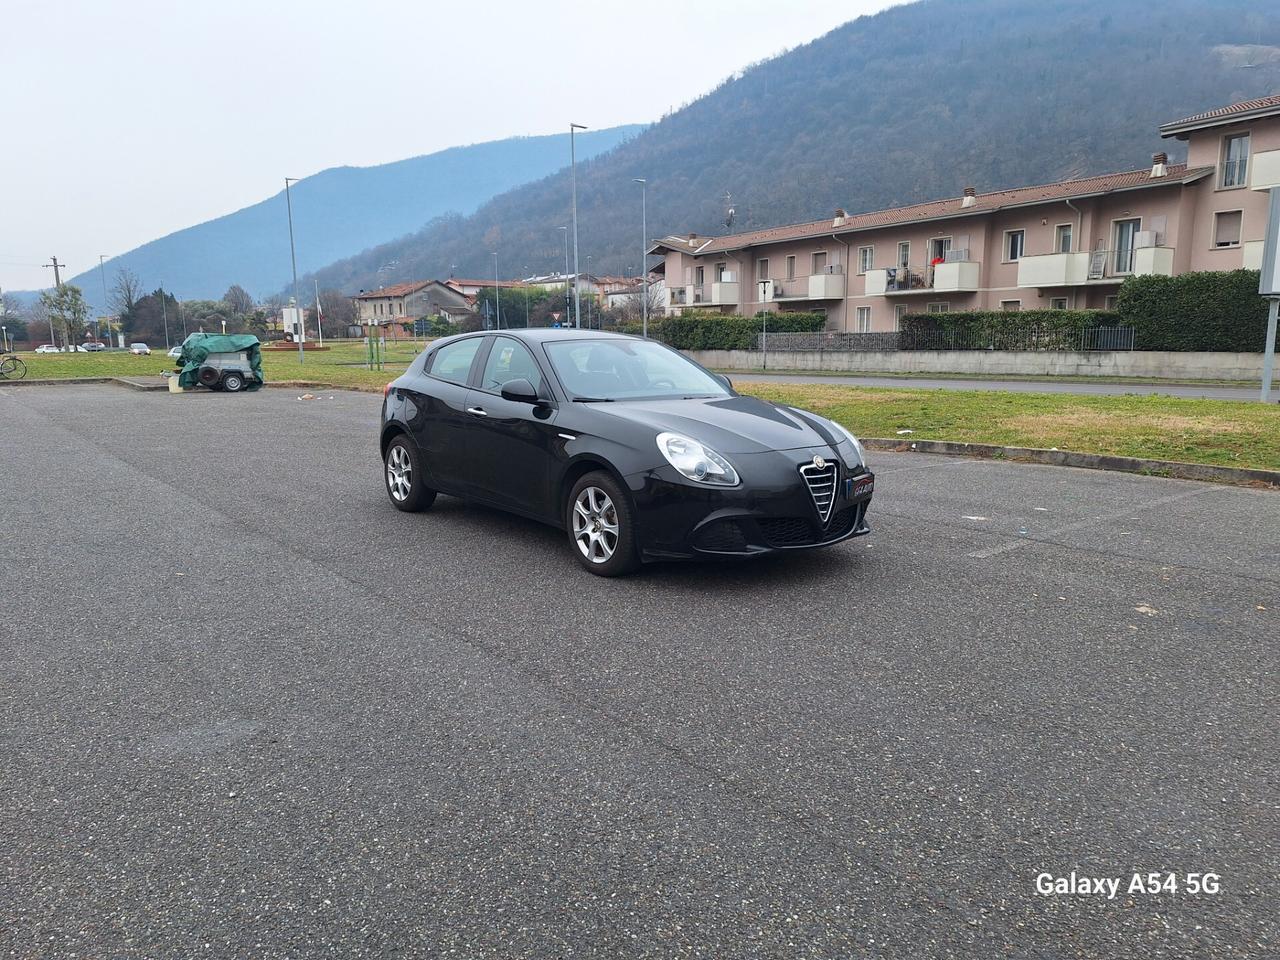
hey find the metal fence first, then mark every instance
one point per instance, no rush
(1025, 338)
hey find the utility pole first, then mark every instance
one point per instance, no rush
(164, 312)
(293, 259)
(573, 175)
(644, 253)
(592, 297)
(57, 282)
(567, 308)
(526, 297)
(102, 273)
(320, 317)
(497, 294)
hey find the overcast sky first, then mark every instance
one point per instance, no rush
(126, 120)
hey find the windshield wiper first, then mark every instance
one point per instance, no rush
(593, 399)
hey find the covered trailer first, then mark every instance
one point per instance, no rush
(221, 361)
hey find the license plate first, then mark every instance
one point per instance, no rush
(855, 488)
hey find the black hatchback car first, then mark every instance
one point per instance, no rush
(634, 450)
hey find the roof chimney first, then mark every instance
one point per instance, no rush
(1158, 168)
(970, 197)
(840, 217)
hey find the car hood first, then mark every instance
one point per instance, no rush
(729, 424)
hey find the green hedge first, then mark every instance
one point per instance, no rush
(1001, 329)
(719, 331)
(1195, 311)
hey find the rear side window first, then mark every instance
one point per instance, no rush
(453, 361)
(509, 360)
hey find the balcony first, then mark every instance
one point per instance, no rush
(1093, 266)
(828, 285)
(953, 276)
(724, 292)
(1264, 172)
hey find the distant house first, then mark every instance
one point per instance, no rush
(409, 301)
(470, 288)
(1059, 245)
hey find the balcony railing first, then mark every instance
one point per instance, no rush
(1235, 173)
(951, 276)
(792, 288)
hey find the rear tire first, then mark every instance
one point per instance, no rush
(233, 383)
(601, 526)
(404, 478)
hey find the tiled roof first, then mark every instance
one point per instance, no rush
(1261, 104)
(940, 209)
(460, 282)
(395, 290)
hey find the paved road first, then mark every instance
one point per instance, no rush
(248, 709)
(1017, 386)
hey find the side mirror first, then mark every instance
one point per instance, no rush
(519, 391)
(725, 380)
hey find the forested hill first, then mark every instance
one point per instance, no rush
(342, 211)
(908, 105)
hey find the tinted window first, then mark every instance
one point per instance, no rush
(509, 360)
(453, 361)
(627, 369)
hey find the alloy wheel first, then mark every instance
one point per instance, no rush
(595, 524)
(399, 473)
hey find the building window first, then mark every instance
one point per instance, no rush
(721, 268)
(1235, 161)
(699, 276)
(899, 311)
(791, 268)
(1057, 303)
(940, 307)
(1062, 238)
(865, 257)
(1126, 236)
(819, 263)
(762, 269)
(1013, 242)
(1008, 306)
(864, 319)
(904, 253)
(1226, 228)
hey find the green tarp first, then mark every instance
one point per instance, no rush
(197, 347)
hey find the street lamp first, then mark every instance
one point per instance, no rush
(497, 303)
(526, 296)
(565, 233)
(102, 273)
(573, 176)
(5, 332)
(589, 299)
(293, 259)
(164, 312)
(644, 252)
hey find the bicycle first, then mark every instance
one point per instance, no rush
(11, 366)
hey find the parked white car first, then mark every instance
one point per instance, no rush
(47, 348)
(140, 348)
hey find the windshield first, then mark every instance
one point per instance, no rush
(628, 370)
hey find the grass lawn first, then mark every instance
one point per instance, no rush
(1224, 432)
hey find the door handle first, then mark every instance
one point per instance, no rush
(477, 411)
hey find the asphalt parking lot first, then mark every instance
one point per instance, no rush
(249, 709)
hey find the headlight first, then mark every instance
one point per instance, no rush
(862, 454)
(696, 461)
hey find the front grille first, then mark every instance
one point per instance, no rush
(822, 487)
(842, 522)
(786, 531)
(721, 536)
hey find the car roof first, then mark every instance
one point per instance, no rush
(541, 334)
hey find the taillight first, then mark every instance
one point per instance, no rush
(386, 391)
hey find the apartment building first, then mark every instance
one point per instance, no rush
(1065, 245)
(408, 301)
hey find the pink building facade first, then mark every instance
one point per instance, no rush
(1066, 245)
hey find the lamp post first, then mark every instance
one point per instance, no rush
(526, 297)
(573, 176)
(164, 312)
(564, 231)
(589, 299)
(293, 259)
(644, 252)
(5, 332)
(102, 273)
(497, 303)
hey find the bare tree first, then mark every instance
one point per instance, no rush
(125, 292)
(238, 300)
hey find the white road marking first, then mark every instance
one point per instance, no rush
(1124, 514)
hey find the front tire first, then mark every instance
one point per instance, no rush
(404, 478)
(601, 526)
(233, 383)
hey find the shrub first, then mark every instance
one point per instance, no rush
(719, 331)
(1196, 311)
(1001, 329)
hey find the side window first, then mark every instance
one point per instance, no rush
(509, 360)
(453, 362)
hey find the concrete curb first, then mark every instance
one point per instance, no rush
(55, 382)
(1240, 476)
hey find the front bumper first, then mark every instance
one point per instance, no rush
(771, 511)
